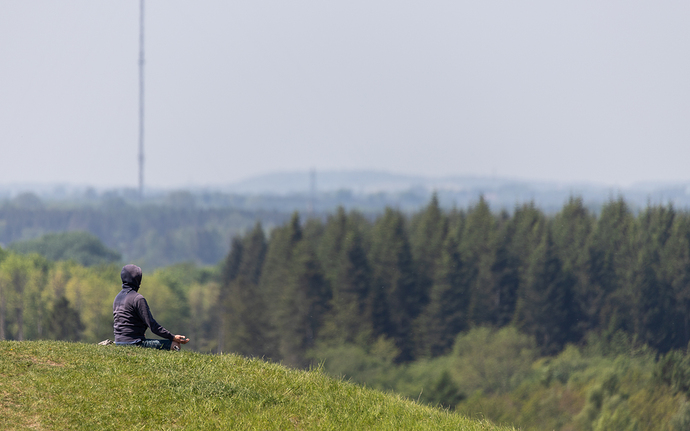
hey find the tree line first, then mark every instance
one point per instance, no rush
(412, 282)
(152, 234)
(419, 281)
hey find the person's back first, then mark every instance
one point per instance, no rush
(132, 316)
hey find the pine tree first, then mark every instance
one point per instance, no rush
(654, 319)
(530, 230)
(5, 293)
(254, 253)
(63, 321)
(303, 304)
(572, 229)
(229, 272)
(245, 318)
(675, 270)
(652, 310)
(15, 272)
(545, 307)
(428, 231)
(505, 271)
(275, 273)
(331, 243)
(611, 262)
(395, 284)
(35, 299)
(350, 317)
(231, 264)
(477, 252)
(446, 314)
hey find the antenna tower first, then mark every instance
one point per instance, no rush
(141, 98)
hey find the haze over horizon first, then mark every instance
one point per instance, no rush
(537, 91)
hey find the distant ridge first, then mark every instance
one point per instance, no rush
(366, 182)
(462, 190)
(372, 191)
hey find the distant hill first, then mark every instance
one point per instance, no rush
(357, 181)
(410, 192)
(367, 190)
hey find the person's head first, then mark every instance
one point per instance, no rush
(131, 276)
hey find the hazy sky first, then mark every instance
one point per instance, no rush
(595, 91)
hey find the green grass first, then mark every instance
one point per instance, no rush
(58, 385)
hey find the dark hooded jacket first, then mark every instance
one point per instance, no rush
(131, 313)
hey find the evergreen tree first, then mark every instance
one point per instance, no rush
(15, 272)
(446, 314)
(303, 304)
(530, 229)
(63, 321)
(276, 271)
(5, 298)
(229, 272)
(428, 231)
(655, 321)
(352, 304)
(313, 231)
(394, 282)
(244, 307)
(35, 299)
(477, 252)
(611, 262)
(330, 248)
(572, 229)
(675, 270)
(231, 264)
(652, 310)
(505, 271)
(456, 223)
(545, 307)
(254, 253)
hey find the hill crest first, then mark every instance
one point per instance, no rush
(60, 385)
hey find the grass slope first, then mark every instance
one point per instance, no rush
(58, 385)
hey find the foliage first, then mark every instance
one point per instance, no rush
(547, 322)
(578, 391)
(490, 361)
(151, 234)
(81, 247)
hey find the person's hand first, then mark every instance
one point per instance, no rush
(181, 339)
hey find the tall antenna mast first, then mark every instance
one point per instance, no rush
(141, 98)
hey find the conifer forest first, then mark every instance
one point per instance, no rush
(575, 320)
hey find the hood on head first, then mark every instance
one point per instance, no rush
(131, 276)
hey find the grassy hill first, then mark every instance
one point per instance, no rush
(58, 385)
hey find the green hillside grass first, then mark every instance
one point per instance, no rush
(58, 385)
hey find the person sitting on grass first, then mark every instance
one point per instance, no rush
(132, 316)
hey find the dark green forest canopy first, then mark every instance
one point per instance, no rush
(415, 280)
(419, 280)
(154, 236)
(81, 247)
